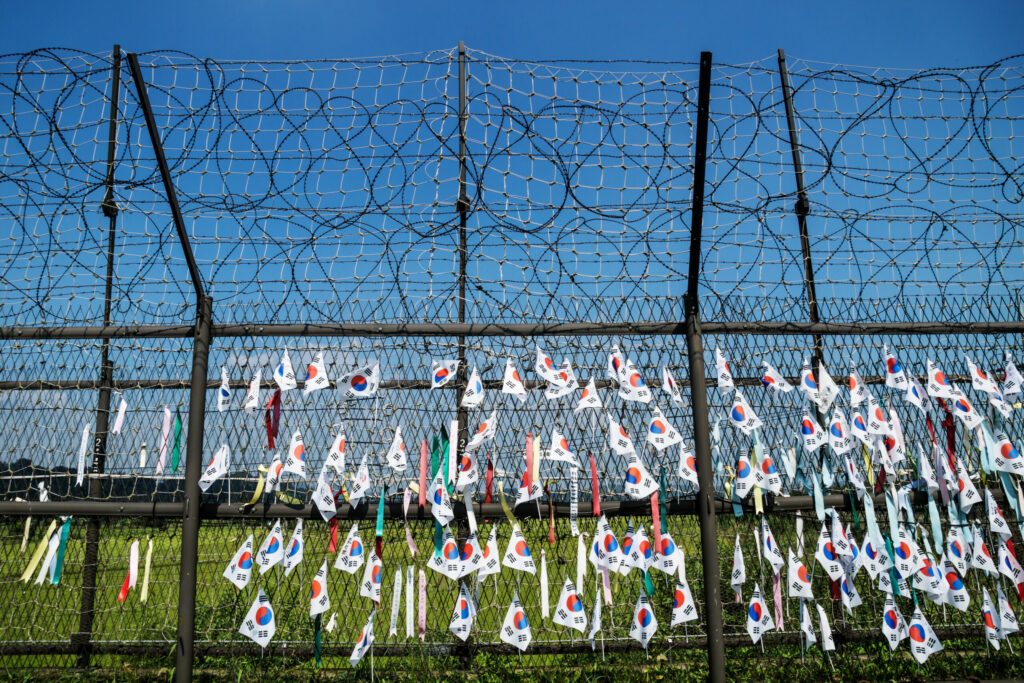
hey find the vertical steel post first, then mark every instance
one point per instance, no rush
(463, 650)
(191, 496)
(87, 614)
(802, 208)
(698, 388)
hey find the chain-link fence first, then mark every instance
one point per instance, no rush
(456, 205)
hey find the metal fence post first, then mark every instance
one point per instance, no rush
(87, 614)
(698, 390)
(191, 496)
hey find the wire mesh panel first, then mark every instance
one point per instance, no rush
(327, 194)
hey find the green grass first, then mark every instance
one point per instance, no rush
(46, 613)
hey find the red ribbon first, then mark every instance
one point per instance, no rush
(123, 594)
(656, 520)
(332, 547)
(272, 418)
(489, 490)
(422, 502)
(595, 490)
(551, 517)
(528, 477)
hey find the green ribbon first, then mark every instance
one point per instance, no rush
(438, 537)
(435, 450)
(379, 531)
(176, 452)
(317, 641)
(648, 584)
(65, 531)
(894, 576)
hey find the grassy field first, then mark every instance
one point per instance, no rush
(50, 614)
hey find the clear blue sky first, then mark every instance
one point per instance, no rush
(890, 33)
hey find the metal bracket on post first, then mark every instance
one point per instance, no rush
(87, 613)
(699, 394)
(191, 496)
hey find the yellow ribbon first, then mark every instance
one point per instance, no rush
(505, 508)
(867, 465)
(145, 572)
(259, 486)
(37, 556)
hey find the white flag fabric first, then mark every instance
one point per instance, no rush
(352, 554)
(373, 578)
(807, 624)
(604, 551)
(240, 568)
(565, 384)
(923, 641)
(473, 395)
(827, 389)
(589, 398)
(639, 481)
(738, 577)
(981, 557)
(463, 614)
(316, 375)
(618, 438)
(996, 521)
(296, 463)
(296, 549)
(595, 623)
(440, 504)
(323, 496)
(1013, 382)
(224, 392)
(122, 411)
(364, 642)
(271, 551)
(364, 381)
(645, 624)
(859, 429)
(1008, 564)
(668, 557)
(284, 376)
(956, 594)
(570, 611)
(319, 602)
(827, 555)
(774, 379)
(515, 630)
(485, 432)
(895, 377)
(1007, 619)
(218, 467)
(471, 556)
(259, 624)
(725, 382)
(939, 385)
(906, 554)
(545, 367)
(512, 382)
(668, 383)
(560, 450)
(396, 457)
(517, 553)
(745, 477)
(827, 642)
(966, 412)
(809, 383)
(839, 438)
(442, 372)
(742, 416)
(660, 432)
(616, 366)
(878, 421)
(252, 394)
(916, 395)
(770, 550)
(968, 495)
(83, 450)
(759, 619)
(637, 552)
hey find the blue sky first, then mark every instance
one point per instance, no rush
(870, 32)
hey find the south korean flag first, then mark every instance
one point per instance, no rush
(319, 602)
(484, 432)
(490, 563)
(296, 463)
(364, 642)
(463, 614)
(296, 549)
(336, 456)
(513, 382)
(639, 482)
(687, 466)
(517, 553)
(742, 416)
(272, 549)
(604, 551)
(440, 504)
(316, 375)
(363, 381)
(660, 433)
(570, 612)
(515, 630)
(468, 474)
(565, 385)
(759, 619)
(471, 555)
(589, 398)
(283, 373)
(634, 388)
(956, 594)
(240, 569)
(893, 627)
(639, 554)
(560, 450)
(396, 457)
(668, 557)
(352, 554)
(923, 641)
(799, 578)
(545, 367)
(683, 608)
(218, 467)
(645, 624)
(224, 393)
(447, 561)
(827, 555)
(323, 496)
(442, 372)
(259, 624)
(373, 577)
(618, 438)
(473, 396)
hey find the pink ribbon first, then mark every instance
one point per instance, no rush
(423, 605)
